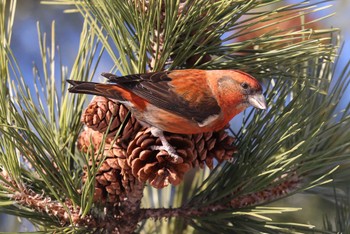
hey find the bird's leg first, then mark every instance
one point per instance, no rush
(165, 145)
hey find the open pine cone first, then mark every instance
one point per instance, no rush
(195, 150)
(101, 110)
(213, 145)
(128, 161)
(157, 167)
(114, 180)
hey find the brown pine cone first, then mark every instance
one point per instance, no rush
(157, 167)
(113, 178)
(213, 145)
(101, 110)
(89, 138)
(116, 174)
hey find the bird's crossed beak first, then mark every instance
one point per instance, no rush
(257, 100)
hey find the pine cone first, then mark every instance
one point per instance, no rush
(89, 138)
(157, 167)
(101, 110)
(213, 145)
(114, 180)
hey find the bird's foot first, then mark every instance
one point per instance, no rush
(165, 145)
(171, 151)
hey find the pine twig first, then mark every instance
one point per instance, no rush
(272, 193)
(115, 219)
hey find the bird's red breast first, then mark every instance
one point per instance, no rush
(181, 101)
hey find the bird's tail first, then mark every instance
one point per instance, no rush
(93, 88)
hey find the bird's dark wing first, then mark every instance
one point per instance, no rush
(183, 92)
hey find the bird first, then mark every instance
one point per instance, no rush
(187, 101)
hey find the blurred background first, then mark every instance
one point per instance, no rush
(26, 49)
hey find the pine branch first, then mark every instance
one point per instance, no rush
(239, 202)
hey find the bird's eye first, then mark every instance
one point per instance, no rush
(244, 85)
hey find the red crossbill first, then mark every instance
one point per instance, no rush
(180, 101)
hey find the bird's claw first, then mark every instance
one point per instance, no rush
(171, 151)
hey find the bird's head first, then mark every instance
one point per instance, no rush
(239, 90)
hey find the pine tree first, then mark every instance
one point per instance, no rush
(76, 169)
